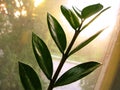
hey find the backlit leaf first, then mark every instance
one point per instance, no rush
(71, 17)
(57, 32)
(91, 10)
(42, 55)
(77, 73)
(78, 12)
(94, 18)
(29, 78)
(84, 43)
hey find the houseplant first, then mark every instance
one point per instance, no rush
(76, 19)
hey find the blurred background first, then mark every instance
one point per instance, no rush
(19, 18)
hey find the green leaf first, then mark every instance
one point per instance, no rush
(78, 12)
(84, 43)
(71, 17)
(42, 55)
(91, 10)
(94, 18)
(29, 78)
(57, 32)
(77, 73)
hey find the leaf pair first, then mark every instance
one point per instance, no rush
(28, 76)
(84, 14)
(88, 11)
(71, 17)
(31, 81)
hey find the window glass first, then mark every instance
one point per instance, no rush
(19, 18)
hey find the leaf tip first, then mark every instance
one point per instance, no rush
(33, 34)
(19, 63)
(48, 14)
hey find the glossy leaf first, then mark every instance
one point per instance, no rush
(94, 18)
(57, 32)
(77, 73)
(91, 10)
(42, 55)
(84, 43)
(29, 78)
(71, 17)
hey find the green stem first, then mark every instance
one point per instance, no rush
(64, 58)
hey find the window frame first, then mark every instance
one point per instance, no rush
(111, 60)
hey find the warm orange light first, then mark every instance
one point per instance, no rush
(38, 2)
(17, 14)
(19, 3)
(3, 8)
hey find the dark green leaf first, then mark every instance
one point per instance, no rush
(42, 55)
(91, 10)
(84, 43)
(77, 73)
(57, 33)
(94, 18)
(71, 17)
(29, 78)
(78, 12)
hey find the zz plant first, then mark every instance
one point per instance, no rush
(76, 18)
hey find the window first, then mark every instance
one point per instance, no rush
(109, 77)
(19, 18)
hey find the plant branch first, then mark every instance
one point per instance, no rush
(64, 58)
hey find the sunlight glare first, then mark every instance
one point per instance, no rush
(19, 3)
(17, 14)
(24, 12)
(3, 8)
(103, 21)
(38, 2)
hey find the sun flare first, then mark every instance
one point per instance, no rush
(102, 22)
(38, 2)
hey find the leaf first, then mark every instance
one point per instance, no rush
(77, 73)
(94, 18)
(29, 78)
(71, 17)
(57, 33)
(91, 10)
(84, 43)
(42, 55)
(78, 12)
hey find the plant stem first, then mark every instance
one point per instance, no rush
(64, 58)
(57, 72)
